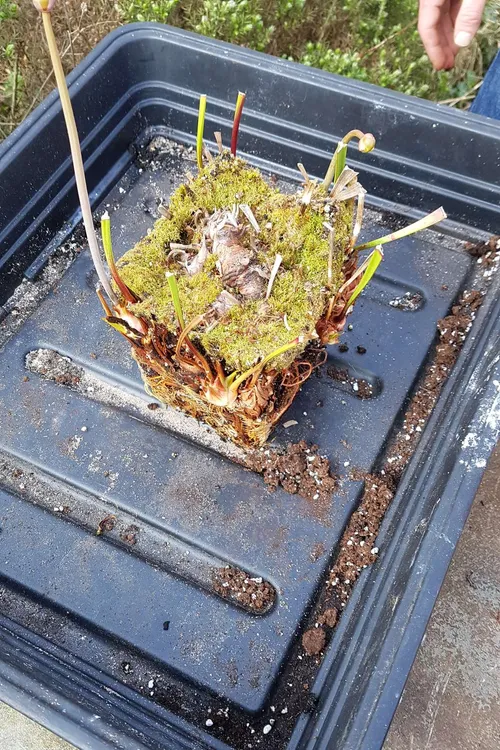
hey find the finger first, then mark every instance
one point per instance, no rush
(430, 30)
(448, 30)
(468, 21)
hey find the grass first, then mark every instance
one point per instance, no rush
(371, 40)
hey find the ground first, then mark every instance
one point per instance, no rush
(452, 697)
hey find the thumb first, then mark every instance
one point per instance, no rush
(468, 21)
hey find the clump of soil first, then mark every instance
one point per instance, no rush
(225, 297)
(129, 535)
(300, 470)
(486, 250)
(314, 641)
(361, 388)
(108, 523)
(329, 617)
(235, 584)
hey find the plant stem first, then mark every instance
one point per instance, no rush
(174, 291)
(201, 128)
(236, 122)
(332, 168)
(371, 266)
(359, 218)
(260, 365)
(76, 155)
(424, 223)
(108, 252)
(218, 140)
(102, 300)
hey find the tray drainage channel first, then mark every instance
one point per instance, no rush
(356, 381)
(154, 546)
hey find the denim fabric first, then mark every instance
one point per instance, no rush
(487, 102)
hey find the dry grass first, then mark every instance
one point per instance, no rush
(27, 76)
(372, 40)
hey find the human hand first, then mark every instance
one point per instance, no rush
(446, 25)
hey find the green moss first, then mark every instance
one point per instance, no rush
(251, 330)
(247, 334)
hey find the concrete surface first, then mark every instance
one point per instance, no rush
(452, 697)
(19, 733)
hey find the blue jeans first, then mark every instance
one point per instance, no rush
(487, 102)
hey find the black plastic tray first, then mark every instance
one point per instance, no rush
(128, 647)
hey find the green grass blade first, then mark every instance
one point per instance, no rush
(340, 161)
(427, 221)
(174, 291)
(110, 260)
(372, 264)
(260, 365)
(200, 131)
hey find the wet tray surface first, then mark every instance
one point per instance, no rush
(181, 509)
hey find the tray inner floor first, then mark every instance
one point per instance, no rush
(182, 492)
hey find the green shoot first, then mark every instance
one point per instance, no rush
(236, 122)
(174, 291)
(45, 6)
(372, 263)
(201, 128)
(124, 328)
(260, 365)
(108, 252)
(366, 140)
(332, 169)
(427, 221)
(337, 164)
(340, 161)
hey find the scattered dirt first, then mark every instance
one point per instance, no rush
(409, 302)
(452, 333)
(252, 593)
(485, 250)
(300, 470)
(129, 535)
(329, 617)
(108, 523)
(317, 551)
(358, 545)
(314, 641)
(360, 387)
